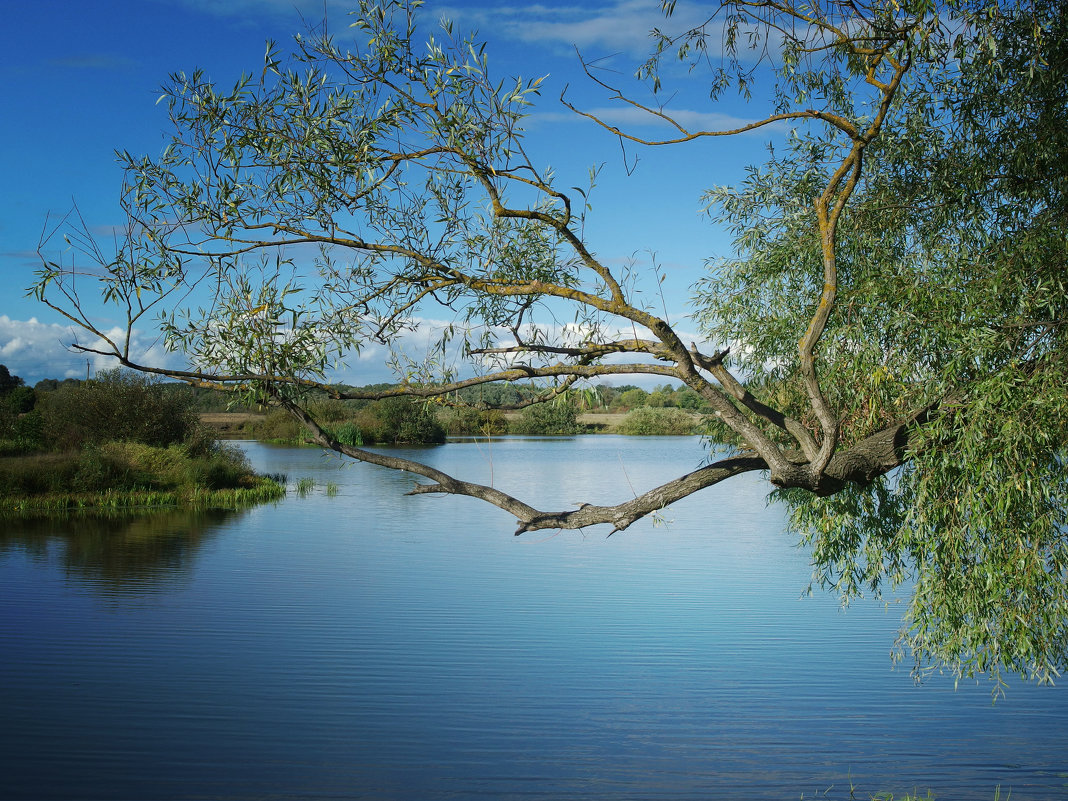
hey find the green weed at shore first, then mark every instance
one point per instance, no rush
(262, 491)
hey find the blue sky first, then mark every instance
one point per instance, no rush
(80, 80)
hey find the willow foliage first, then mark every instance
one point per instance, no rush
(952, 269)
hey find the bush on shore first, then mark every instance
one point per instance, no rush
(548, 419)
(118, 405)
(467, 420)
(392, 421)
(657, 421)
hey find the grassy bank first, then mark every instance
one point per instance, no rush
(118, 442)
(123, 475)
(196, 498)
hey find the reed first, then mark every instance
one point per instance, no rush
(262, 491)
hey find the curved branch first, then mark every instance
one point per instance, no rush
(747, 399)
(622, 515)
(829, 208)
(685, 135)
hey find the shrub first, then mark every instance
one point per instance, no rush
(349, 433)
(226, 469)
(148, 466)
(117, 405)
(37, 474)
(547, 419)
(276, 426)
(20, 434)
(401, 420)
(466, 420)
(28, 431)
(98, 471)
(649, 421)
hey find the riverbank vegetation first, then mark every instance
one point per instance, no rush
(394, 421)
(36, 420)
(118, 441)
(476, 411)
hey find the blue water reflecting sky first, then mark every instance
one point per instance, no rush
(374, 645)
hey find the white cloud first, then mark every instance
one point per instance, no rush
(34, 350)
(620, 26)
(419, 346)
(627, 118)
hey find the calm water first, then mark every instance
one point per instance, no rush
(372, 645)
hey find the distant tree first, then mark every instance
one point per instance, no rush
(20, 400)
(657, 421)
(658, 398)
(19, 431)
(632, 398)
(607, 395)
(403, 420)
(688, 399)
(8, 382)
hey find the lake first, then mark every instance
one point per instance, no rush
(364, 644)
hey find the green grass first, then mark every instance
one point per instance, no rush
(194, 498)
(854, 795)
(126, 475)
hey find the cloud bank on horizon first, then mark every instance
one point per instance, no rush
(34, 350)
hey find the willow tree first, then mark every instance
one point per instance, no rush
(895, 300)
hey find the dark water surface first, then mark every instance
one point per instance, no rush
(372, 645)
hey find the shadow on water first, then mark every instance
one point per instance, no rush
(117, 553)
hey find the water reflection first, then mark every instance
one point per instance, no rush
(117, 554)
(370, 644)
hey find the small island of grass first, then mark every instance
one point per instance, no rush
(120, 441)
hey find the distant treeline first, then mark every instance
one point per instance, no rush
(403, 420)
(601, 398)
